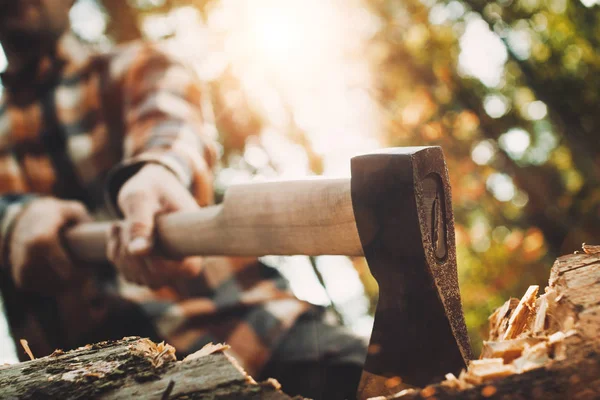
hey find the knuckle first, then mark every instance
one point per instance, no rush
(128, 197)
(139, 228)
(41, 242)
(75, 206)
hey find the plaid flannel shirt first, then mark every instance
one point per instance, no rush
(77, 127)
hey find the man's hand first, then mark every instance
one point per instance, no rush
(38, 260)
(153, 191)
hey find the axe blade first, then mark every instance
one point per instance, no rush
(403, 210)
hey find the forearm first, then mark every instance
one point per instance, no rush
(163, 124)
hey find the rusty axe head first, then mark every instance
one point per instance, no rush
(403, 210)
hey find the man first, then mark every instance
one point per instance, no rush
(83, 132)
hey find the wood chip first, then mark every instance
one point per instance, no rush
(207, 350)
(25, 345)
(488, 369)
(452, 382)
(556, 337)
(540, 317)
(163, 352)
(508, 350)
(560, 351)
(403, 393)
(568, 323)
(532, 358)
(524, 335)
(274, 383)
(557, 343)
(398, 395)
(591, 248)
(499, 319)
(519, 317)
(57, 352)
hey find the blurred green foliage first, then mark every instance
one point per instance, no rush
(522, 150)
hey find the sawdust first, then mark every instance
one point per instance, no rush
(524, 335)
(531, 341)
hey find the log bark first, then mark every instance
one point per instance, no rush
(576, 280)
(139, 368)
(131, 368)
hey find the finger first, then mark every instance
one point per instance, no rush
(61, 263)
(178, 198)
(73, 211)
(113, 241)
(133, 266)
(139, 211)
(55, 254)
(117, 252)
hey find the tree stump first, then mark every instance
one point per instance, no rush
(576, 281)
(132, 368)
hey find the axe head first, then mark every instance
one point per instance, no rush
(403, 210)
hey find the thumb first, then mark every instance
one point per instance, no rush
(139, 211)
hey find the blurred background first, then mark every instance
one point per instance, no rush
(509, 88)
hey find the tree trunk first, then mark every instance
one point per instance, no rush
(131, 368)
(576, 280)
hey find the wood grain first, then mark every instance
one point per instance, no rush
(308, 217)
(131, 368)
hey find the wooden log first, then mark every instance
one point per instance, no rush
(575, 374)
(132, 368)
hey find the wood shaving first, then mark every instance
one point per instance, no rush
(165, 353)
(274, 383)
(508, 350)
(568, 323)
(25, 345)
(208, 349)
(499, 319)
(453, 382)
(590, 248)
(519, 317)
(524, 335)
(57, 352)
(540, 317)
(488, 369)
(532, 358)
(398, 395)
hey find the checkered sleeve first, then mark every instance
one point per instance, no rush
(163, 122)
(11, 206)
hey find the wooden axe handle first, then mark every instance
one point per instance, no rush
(309, 217)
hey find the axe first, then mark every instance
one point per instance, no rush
(395, 210)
